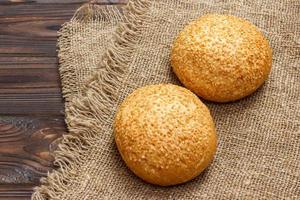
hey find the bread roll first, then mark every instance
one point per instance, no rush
(165, 134)
(221, 58)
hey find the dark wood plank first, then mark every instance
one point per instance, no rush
(16, 39)
(30, 90)
(15, 192)
(26, 144)
(29, 80)
(30, 85)
(28, 62)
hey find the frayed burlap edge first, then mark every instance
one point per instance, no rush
(86, 13)
(83, 125)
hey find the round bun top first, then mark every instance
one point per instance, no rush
(221, 58)
(165, 134)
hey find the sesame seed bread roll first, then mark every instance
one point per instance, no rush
(221, 58)
(165, 134)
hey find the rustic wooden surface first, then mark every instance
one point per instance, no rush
(31, 105)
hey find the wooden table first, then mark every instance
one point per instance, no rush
(31, 104)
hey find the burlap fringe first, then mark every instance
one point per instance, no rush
(87, 13)
(86, 112)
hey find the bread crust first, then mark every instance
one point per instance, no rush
(221, 58)
(165, 134)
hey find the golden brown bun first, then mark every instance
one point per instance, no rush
(221, 58)
(165, 134)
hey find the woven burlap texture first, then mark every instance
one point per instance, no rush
(104, 57)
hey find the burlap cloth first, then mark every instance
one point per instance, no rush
(105, 56)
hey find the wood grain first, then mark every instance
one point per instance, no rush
(26, 144)
(16, 192)
(29, 79)
(31, 104)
